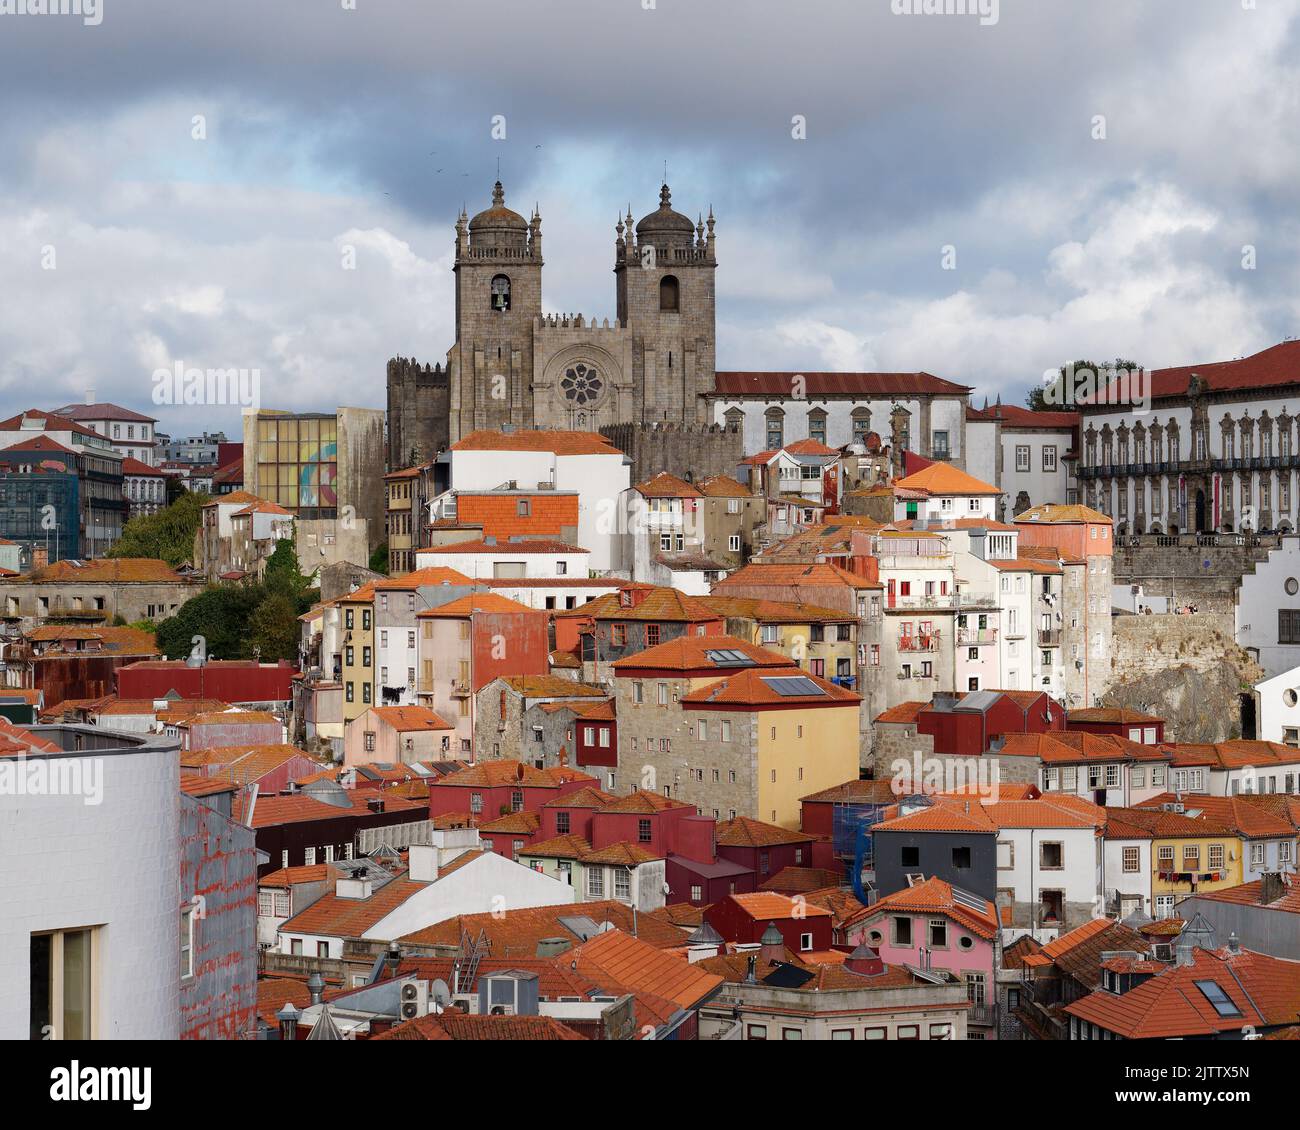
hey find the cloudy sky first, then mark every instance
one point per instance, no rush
(128, 243)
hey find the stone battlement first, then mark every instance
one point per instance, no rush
(574, 322)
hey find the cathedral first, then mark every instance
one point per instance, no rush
(512, 366)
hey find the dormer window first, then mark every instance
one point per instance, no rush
(500, 292)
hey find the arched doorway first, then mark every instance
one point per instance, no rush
(1200, 511)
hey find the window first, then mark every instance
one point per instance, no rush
(562, 823)
(643, 832)
(595, 882)
(623, 884)
(1049, 458)
(902, 927)
(1022, 457)
(1051, 856)
(669, 294)
(1132, 859)
(62, 988)
(756, 1032)
(961, 858)
(1288, 625)
(805, 943)
(909, 1032)
(1215, 857)
(938, 933)
(733, 543)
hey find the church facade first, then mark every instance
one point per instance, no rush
(513, 366)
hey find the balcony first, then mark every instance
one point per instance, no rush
(928, 642)
(973, 637)
(1049, 637)
(460, 688)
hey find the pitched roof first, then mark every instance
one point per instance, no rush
(132, 466)
(557, 442)
(764, 611)
(1274, 367)
(430, 575)
(408, 718)
(746, 832)
(493, 774)
(466, 606)
(550, 686)
(102, 411)
(699, 653)
(666, 485)
(517, 932)
(1110, 714)
(1057, 514)
(724, 486)
(108, 571)
(794, 575)
(497, 547)
(659, 603)
(771, 687)
(334, 917)
(945, 479)
(1256, 991)
(756, 383)
(1251, 894)
(1013, 416)
(454, 1025)
(764, 905)
(936, 896)
(628, 961)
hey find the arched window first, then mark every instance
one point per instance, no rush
(500, 292)
(668, 293)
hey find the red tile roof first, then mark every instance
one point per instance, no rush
(934, 896)
(752, 383)
(1277, 366)
(405, 719)
(754, 688)
(628, 961)
(691, 653)
(746, 832)
(945, 479)
(453, 1025)
(560, 443)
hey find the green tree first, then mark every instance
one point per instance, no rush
(379, 559)
(282, 574)
(220, 614)
(1054, 397)
(273, 629)
(168, 534)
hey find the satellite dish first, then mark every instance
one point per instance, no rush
(440, 993)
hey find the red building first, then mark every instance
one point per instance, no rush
(743, 918)
(492, 789)
(763, 849)
(969, 724)
(236, 681)
(1131, 724)
(596, 737)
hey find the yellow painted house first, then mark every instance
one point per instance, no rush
(1189, 855)
(732, 728)
(821, 641)
(357, 613)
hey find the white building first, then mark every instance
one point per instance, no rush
(131, 434)
(944, 492)
(576, 461)
(515, 559)
(448, 877)
(91, 920)
(1277, 708)
(1025, 453)
(910, 411)
(1268, 609)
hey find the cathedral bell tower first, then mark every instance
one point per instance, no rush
(664, 271)
(498, 295)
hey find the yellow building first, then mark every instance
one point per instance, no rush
(1189, 855)
(821, 641)
(731, 728)
(357, 613)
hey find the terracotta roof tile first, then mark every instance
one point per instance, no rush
(557, 442)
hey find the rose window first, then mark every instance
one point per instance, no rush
(581, 383)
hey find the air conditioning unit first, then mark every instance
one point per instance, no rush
(466, 1002)
(503, 1010)
(415, 999)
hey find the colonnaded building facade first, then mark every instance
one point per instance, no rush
(1215, 451)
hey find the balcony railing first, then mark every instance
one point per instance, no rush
(1049, 637)
(971, 637)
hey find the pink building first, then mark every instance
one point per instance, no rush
(934, 925)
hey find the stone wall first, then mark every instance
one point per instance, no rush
(681, 449)
(1186, 669)
(1207, 576)
(419, 404)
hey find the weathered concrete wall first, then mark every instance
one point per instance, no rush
(1186, 669)
(1207, 576)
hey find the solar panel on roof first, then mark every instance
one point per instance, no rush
(968, 900)
(793, 685)
(729, 657)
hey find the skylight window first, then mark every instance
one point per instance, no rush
(1214, 993)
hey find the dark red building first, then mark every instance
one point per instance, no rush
(1145, 729)
(743, 918)
(237, 681)
(763, 849)
(492, 789)
(969, 724)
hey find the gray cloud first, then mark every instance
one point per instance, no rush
(329, 127)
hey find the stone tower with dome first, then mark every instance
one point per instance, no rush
(514, 365)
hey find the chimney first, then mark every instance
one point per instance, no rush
(864, 961)
(750, 963)
(356, 886)
(1270, 887)
(288, 1017)
(422, 863)
(772, 944)
(316, 986)
(90, 396)
(392, 959)
(1234, 944)
(1183, 952)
